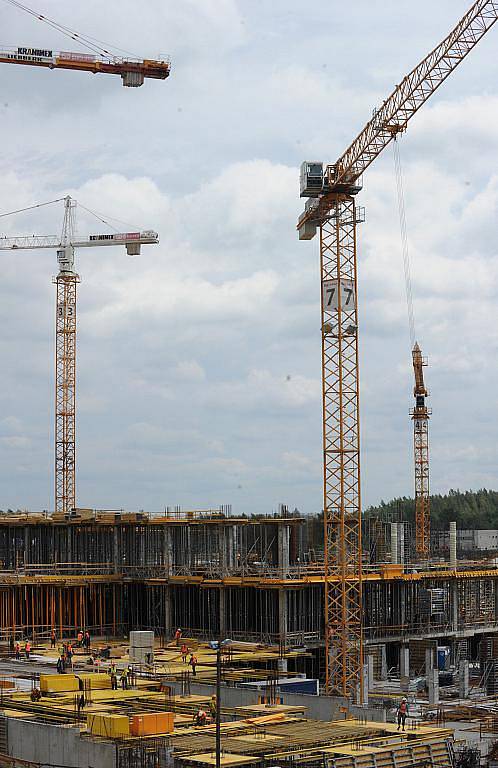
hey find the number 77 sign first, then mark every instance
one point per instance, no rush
(332, 295)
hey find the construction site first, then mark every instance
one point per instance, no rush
(199, 638)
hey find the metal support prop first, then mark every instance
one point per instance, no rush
(342, 509)
(218, 705)
(65, 389)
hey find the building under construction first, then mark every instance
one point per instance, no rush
(216, 575)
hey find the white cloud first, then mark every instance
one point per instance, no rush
(199, 362)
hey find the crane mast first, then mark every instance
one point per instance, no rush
(420, 416)
(65, 368)
(331, 210)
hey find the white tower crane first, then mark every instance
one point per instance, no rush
(65, 336)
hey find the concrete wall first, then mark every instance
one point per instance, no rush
(469, 540)
(57, 745)
(317, 707)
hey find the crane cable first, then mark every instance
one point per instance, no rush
(100, 217)
(404, 240)
(92, 43)
(30, 207)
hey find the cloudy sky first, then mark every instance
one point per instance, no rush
(199, 361)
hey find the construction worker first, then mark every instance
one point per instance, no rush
(80, 638)
(124, 680)
(213, 707)
(60, 666)
(80, 702)
(18, 651)
(402, 713)
(114, 681)
(69, 653)
(184, 652)
(27, 649)
(86, 642)
(53, 638)
(193, 663)
(178, 636)
(112, 668)
(200, 717)
(35, 694)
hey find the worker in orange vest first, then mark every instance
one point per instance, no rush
(18, 650)
(402, 713)
(27, 649)
(184, 650)
(178, 636)
(193, 663)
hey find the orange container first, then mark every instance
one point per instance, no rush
(152, 722)
(165, 722)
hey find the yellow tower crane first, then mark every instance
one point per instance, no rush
(65, 335)
(332, 211)
(420, 416)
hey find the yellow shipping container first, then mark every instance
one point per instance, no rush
(58, 683)
(113, 726)
(97, 680)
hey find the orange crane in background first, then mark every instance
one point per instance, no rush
(332, 211)
(65, 335)
(420, 415)
(133, 70)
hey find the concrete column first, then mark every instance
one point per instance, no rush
(227, 547)
(168, 613)
(495, 587)
(454, 605)
(453, 545)
(27, 545)
(143, 546)
(383, 663)
(394, 543)
(282, 616)
(371, 675)
(231, 547)
(115, 549)
(362, 691)
(282, 665)
(401, 543)
(222, 616)
(168, 554)
(402, 586)
(433, 686)
(69, 540)
(283, 548)
(404, 661)
(463, 679)
(222, 550)
(429, 660)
